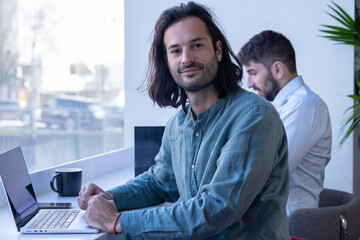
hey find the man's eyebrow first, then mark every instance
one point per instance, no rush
(196, 39)
(173, 46)
(251, 71)
(191, 41)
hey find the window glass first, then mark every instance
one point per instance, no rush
(61, 79)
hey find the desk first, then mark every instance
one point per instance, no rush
(8, 228)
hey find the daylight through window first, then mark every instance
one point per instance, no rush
(61, 79)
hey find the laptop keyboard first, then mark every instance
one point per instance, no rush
(53, 219)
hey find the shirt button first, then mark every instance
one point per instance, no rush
(192, 166)
(197, 134)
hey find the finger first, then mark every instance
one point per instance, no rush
(86, 216)
(78, 200)
(96, 188)
(94, 199)
(87, 192)
(90, 219)
(81, 193)
(83, 189)
(105, 195)
(82, 200)
(82, 204)
(92, 189)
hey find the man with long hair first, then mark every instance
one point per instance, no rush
(269, 60)
(223, 157)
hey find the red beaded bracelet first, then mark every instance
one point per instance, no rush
(114, 228)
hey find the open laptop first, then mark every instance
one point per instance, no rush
(24, 206)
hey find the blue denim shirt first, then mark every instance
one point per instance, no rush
(229, 168)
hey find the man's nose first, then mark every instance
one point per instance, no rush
(250, 83)
(187, 57)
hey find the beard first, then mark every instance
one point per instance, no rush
(192, 83)
(272, 88)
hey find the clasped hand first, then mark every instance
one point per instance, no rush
(100, 208)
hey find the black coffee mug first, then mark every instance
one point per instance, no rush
(66, 181)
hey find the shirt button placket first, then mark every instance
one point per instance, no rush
(193, 186)
(197, 134)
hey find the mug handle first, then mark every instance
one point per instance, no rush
(52, 183)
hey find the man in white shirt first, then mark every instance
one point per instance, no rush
(269, 60)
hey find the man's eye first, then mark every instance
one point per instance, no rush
(198, 45)
(175, 51)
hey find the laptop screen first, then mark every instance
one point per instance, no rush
(17, 185)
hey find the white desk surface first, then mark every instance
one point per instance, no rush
(8, 229)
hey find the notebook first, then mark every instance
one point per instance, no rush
(24, 206)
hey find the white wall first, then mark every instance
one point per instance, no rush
(326, 67)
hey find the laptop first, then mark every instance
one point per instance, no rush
(24, 206)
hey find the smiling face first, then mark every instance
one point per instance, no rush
(261, 80)
(190, 54)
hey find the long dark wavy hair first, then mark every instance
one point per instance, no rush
(159, 82)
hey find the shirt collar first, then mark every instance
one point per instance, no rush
(287, 90)
(214, 108)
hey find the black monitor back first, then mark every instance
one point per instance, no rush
(147, 144)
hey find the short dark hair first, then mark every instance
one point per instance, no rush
(268, 47)
(160, 84)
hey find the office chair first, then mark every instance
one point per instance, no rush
(337, 218)
(147, 142)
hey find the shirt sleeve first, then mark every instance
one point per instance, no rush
(245, 168)
(149, 188)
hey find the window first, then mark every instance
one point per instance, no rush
(61, 79)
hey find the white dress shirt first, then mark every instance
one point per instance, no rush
(308, 128)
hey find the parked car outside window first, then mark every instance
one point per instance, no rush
(72, 113)
(114, 116)
(12, 110)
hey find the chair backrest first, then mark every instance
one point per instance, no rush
(147, 142)
(323, 223)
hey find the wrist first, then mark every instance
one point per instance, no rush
(111, 196)
(116, 227)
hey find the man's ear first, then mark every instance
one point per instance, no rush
(219, 50)
(278, 70)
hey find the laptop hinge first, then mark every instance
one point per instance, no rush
(26, 219)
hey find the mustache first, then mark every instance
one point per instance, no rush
(181, 68)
